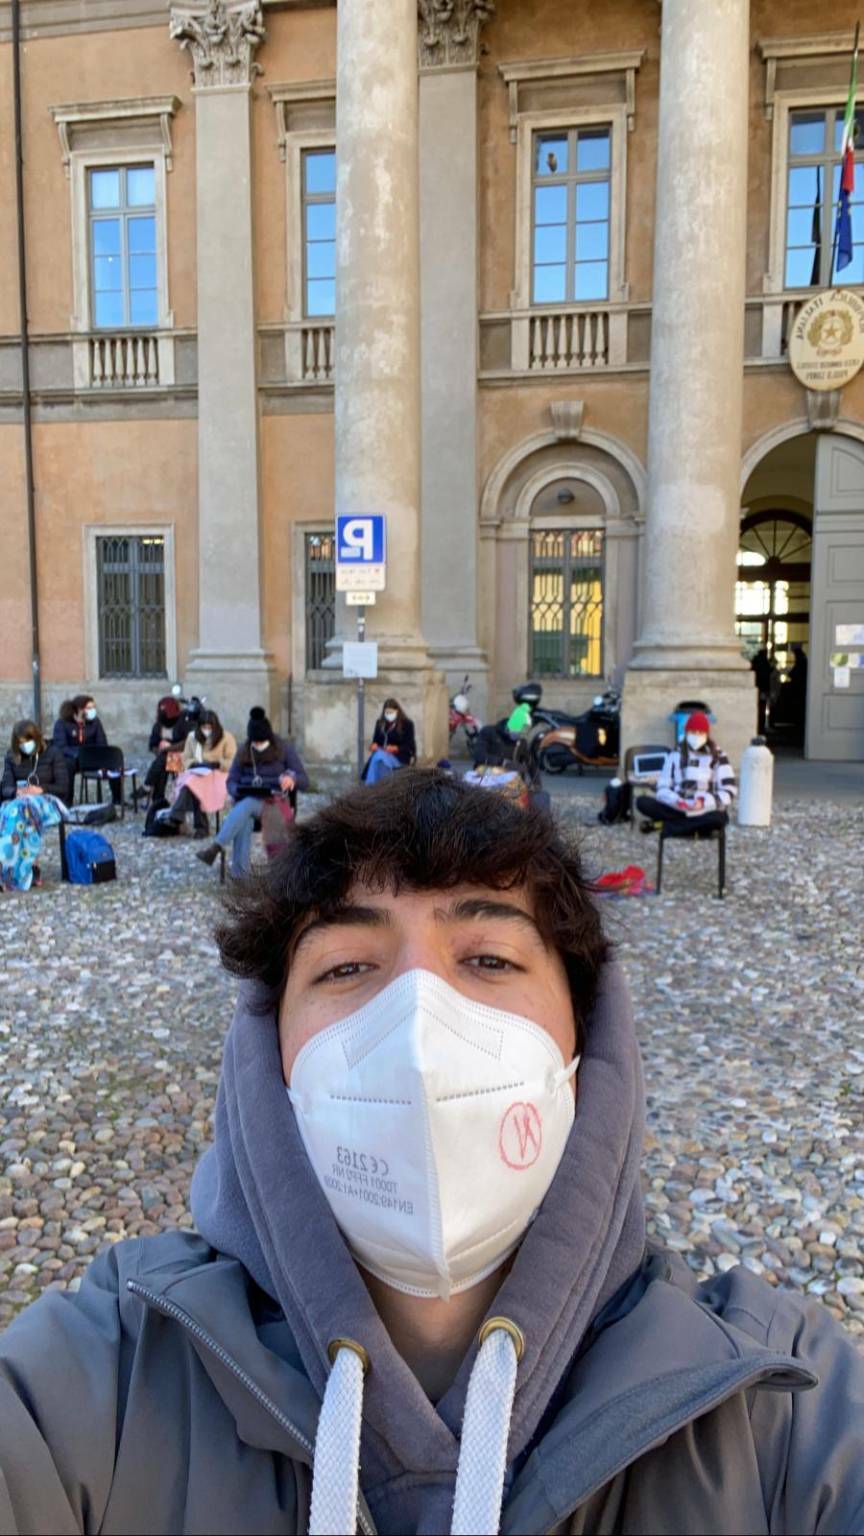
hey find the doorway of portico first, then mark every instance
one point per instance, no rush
(800, 588)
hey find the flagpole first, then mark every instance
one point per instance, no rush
(840, 186)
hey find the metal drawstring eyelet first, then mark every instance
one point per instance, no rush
(335, 1345)
(506, 1326)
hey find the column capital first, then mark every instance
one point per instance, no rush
(450, 31)
(222, 37)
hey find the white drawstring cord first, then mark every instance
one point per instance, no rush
(336, 1473)
(482, 1454)
(486, 1429)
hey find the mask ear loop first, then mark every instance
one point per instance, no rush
(564, 1074)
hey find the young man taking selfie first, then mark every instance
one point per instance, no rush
(421, 1298)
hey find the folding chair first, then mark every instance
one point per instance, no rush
(642, 769)
(95, 765)
(711, 830)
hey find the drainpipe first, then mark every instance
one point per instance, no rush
(25, 364)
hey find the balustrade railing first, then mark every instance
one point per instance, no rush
(569, 339)
(130, 361)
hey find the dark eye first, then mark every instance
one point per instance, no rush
(491, 963)
(346, 971)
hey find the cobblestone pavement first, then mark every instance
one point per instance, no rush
(113, 1012)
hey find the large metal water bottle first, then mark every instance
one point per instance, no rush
(757, 785)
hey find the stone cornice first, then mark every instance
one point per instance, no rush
(222, 37)
(449, 31)
(73, 117)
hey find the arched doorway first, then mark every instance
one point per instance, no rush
(801, 582)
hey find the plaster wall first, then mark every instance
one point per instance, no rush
(300, 46)
(296, 489)
(134, 473)
(82, 67)
(541, 29)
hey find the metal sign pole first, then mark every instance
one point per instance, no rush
(361, 699)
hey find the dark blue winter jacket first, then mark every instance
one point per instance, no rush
(258, 773)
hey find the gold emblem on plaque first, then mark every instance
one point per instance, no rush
(826, 343)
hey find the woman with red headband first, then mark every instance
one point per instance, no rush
(697, 782)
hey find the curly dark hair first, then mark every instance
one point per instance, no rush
(422, 830)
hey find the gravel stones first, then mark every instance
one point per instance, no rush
(113, 1012)
(748, 1012)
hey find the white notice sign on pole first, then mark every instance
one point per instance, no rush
(360, 658)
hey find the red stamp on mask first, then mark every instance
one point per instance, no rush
(520, 1137)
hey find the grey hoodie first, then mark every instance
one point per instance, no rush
(179, 1390)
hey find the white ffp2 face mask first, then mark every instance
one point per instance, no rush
(696, 741)
(434, 1125)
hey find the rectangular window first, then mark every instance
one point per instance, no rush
(812, 192)
(130, 595)
(566, 621)
(319, 232)
(320, 586)
(121, 203)
(570, 224)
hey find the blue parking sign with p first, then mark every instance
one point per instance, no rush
(361, 551)
(360, 539)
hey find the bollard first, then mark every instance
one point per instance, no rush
(757, 785)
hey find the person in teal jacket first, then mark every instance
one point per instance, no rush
(278, 1371)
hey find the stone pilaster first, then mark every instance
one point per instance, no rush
(449, 45)
(687, 645)
(228, 663)
(377, 365)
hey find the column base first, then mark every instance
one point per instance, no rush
(330, 712)
(650, 695)
(232, 682)
(458, 662)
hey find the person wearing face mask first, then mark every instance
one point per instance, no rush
(393, 743)
(697, 782)
(167, 734)
(420, 1298)
(78, 725)
(208, 754)
(34, 788)
(264, 767)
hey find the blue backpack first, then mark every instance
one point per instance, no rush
(89, 858)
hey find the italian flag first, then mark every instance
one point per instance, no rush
(843, 231)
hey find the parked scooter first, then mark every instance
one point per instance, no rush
(590, 740)
(461, 714)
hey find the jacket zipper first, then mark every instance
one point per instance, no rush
(170, 1309)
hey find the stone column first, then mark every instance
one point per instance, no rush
(449, 48)
(377, 365)
(687, 646)
(228, 662)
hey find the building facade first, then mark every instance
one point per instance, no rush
(522, 275)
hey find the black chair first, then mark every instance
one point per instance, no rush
(95, 765)
(223, 852)
(712, 828)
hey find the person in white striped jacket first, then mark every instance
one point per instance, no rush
(697, 782)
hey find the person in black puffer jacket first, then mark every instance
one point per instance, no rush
(265, 766)
(31, 765)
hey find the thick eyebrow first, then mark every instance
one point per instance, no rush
(349, 915)
(486, 906)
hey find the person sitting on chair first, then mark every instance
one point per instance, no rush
(202, 788)
(35, 783)
(264, 767)
(78, 725)
(167, 735)
(393, 743)
(697, 782)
